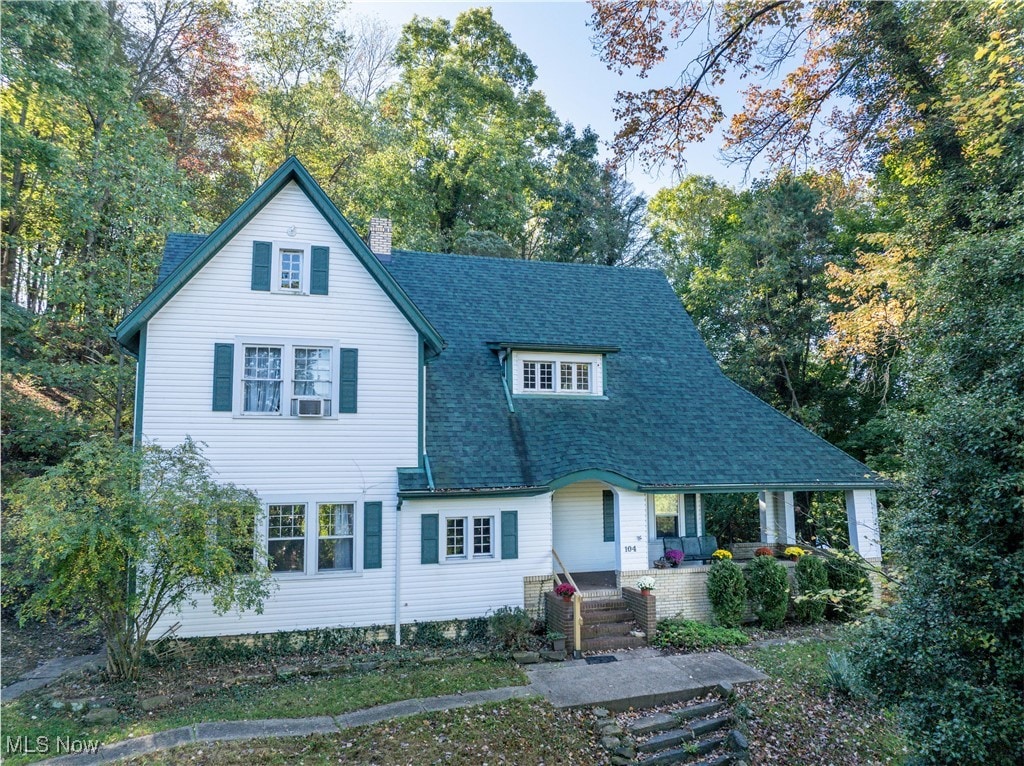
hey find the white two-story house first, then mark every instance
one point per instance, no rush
(424, 430)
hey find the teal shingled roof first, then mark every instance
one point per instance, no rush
(177, 248)
(671, 418)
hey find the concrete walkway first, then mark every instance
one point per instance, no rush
(640, 678)
(49, 672)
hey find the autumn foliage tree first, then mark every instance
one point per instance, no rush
(929, 98)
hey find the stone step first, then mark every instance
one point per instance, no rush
(703, 710)
(708, 725)
(607, 615)
(688, 754)
(607, 629)
(665, 721)
(612, 643)
(666, 739)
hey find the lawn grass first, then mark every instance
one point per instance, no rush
(31, 716)
(526, 732)
(795, 718)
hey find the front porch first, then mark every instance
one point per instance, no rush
(607, 537)
(599, 528)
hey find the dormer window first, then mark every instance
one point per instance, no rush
(538, 376)
(557, 373)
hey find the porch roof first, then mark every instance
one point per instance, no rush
(669, 419)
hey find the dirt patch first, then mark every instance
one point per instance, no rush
(24, 648)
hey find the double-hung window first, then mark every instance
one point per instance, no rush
(261, 379)
(286, 537)
(469, 537)
(291, 269)
(336, 537)
(312, 378)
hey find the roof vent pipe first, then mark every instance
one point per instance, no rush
(380, 236)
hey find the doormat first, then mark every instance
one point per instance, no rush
(604, 658)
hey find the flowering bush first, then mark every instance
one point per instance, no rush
(565, 590)
(764, 550)
(795, 550)
(674, 557)
(646, 583)
(720, 554)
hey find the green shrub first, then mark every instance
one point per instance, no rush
(811, 581)
(696, 636)
(768, 587)
(727, 592)
(511, 627)
(851, 589)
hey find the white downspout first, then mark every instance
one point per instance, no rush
(398, 573)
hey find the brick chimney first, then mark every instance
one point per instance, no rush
(380, 236)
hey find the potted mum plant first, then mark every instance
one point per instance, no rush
(794, 552)
(674, 557)
(764, 550)
(721, 554)
(646, 585)
(565, 590)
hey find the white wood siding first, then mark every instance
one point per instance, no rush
(351, 457)
(631, 529)
(578, 519)
(471, 588)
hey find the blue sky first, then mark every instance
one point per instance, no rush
(578, 85)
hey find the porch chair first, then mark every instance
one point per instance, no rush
(708, 545)
(672, 544)
(691, 549)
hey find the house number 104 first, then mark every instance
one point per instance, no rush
(630, 549)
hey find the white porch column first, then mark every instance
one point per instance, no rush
(862, 518)
(789, 517)
(630, 530)
(778, 523)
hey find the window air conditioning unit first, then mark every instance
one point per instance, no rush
(308, 407)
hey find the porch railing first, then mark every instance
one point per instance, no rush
(577, 605)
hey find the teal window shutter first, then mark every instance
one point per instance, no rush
(428, 538)
(348, 387)
(690, 515)
(319, 268)
(510, 534)
(372, 534)
(223, 375)
(608, 512)
(261, 265)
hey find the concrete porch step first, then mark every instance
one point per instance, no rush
(603, 604)
(606, 616)
(607, 629)
(612, 643)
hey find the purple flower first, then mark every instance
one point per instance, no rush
(674, 556)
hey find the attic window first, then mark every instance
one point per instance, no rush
(557, 373)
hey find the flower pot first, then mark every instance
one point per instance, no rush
(794, 558)
(558, 644)
(645, 592)
(567, 599)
